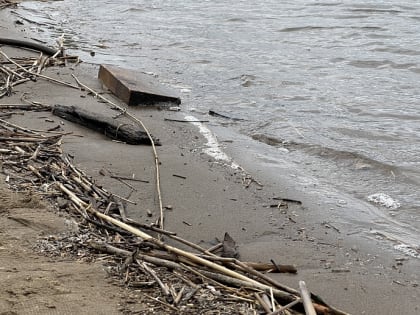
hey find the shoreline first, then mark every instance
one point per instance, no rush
(204, 200)
(350, 175)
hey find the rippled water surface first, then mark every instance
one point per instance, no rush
(336, 83)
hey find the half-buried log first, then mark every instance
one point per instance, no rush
(125, 132)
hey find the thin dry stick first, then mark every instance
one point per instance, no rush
(19, 82)
(283, 308)
(8, 70)
(125, 183)
(134, 118)
(244, 267)
(161, 302)
(265, 278)
(179, 296)
(128, 178)
(152, 273)
(38, 75)
(7, 123)
(190, 244)
(215, 247)
(124, 199)
(211, 280)
(273, 306)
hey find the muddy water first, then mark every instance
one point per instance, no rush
(332, 86)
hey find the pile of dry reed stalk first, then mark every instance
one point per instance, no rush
(7, 3)
(34, 161)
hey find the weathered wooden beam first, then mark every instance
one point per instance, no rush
(126, 132)
(134, 87)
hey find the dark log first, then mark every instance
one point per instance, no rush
(28, 44)
(125, 132)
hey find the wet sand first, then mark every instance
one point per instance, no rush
(210, 198)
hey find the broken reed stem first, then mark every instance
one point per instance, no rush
(232, 262)
(306, 299)
(264, 305)
(214, 248)
(153, 274)
(134, 118)
(37, 74)
(179, 296)
(192, 245)
(283, 308)
(210, 277)
(262, 276)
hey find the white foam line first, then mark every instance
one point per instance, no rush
(213, 147)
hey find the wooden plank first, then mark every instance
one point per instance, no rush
(134, 87)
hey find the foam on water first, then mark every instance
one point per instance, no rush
(406, 249)
(212, 146)
(384, 200)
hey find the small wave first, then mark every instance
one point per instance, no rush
(236, 20)
(351, 16)
(380, 63)
(415, 70)
(381, 36)
(398, 51)
(270, 140)
(291, 83)
(202, 61)
(134, 10)
(333, 27)
(396, 115)
(365, 134)
(296, 98)
(325, 4)
(36, 19)
(305, 28)
(408, 248)
(376, 11)
(369, 28)
(358, 160)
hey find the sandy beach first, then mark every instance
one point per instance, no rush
(203, 199)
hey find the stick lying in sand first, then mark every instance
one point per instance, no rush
(138, 121)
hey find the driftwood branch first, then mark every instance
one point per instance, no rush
(113, 129)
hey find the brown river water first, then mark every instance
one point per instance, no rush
(331, 88)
